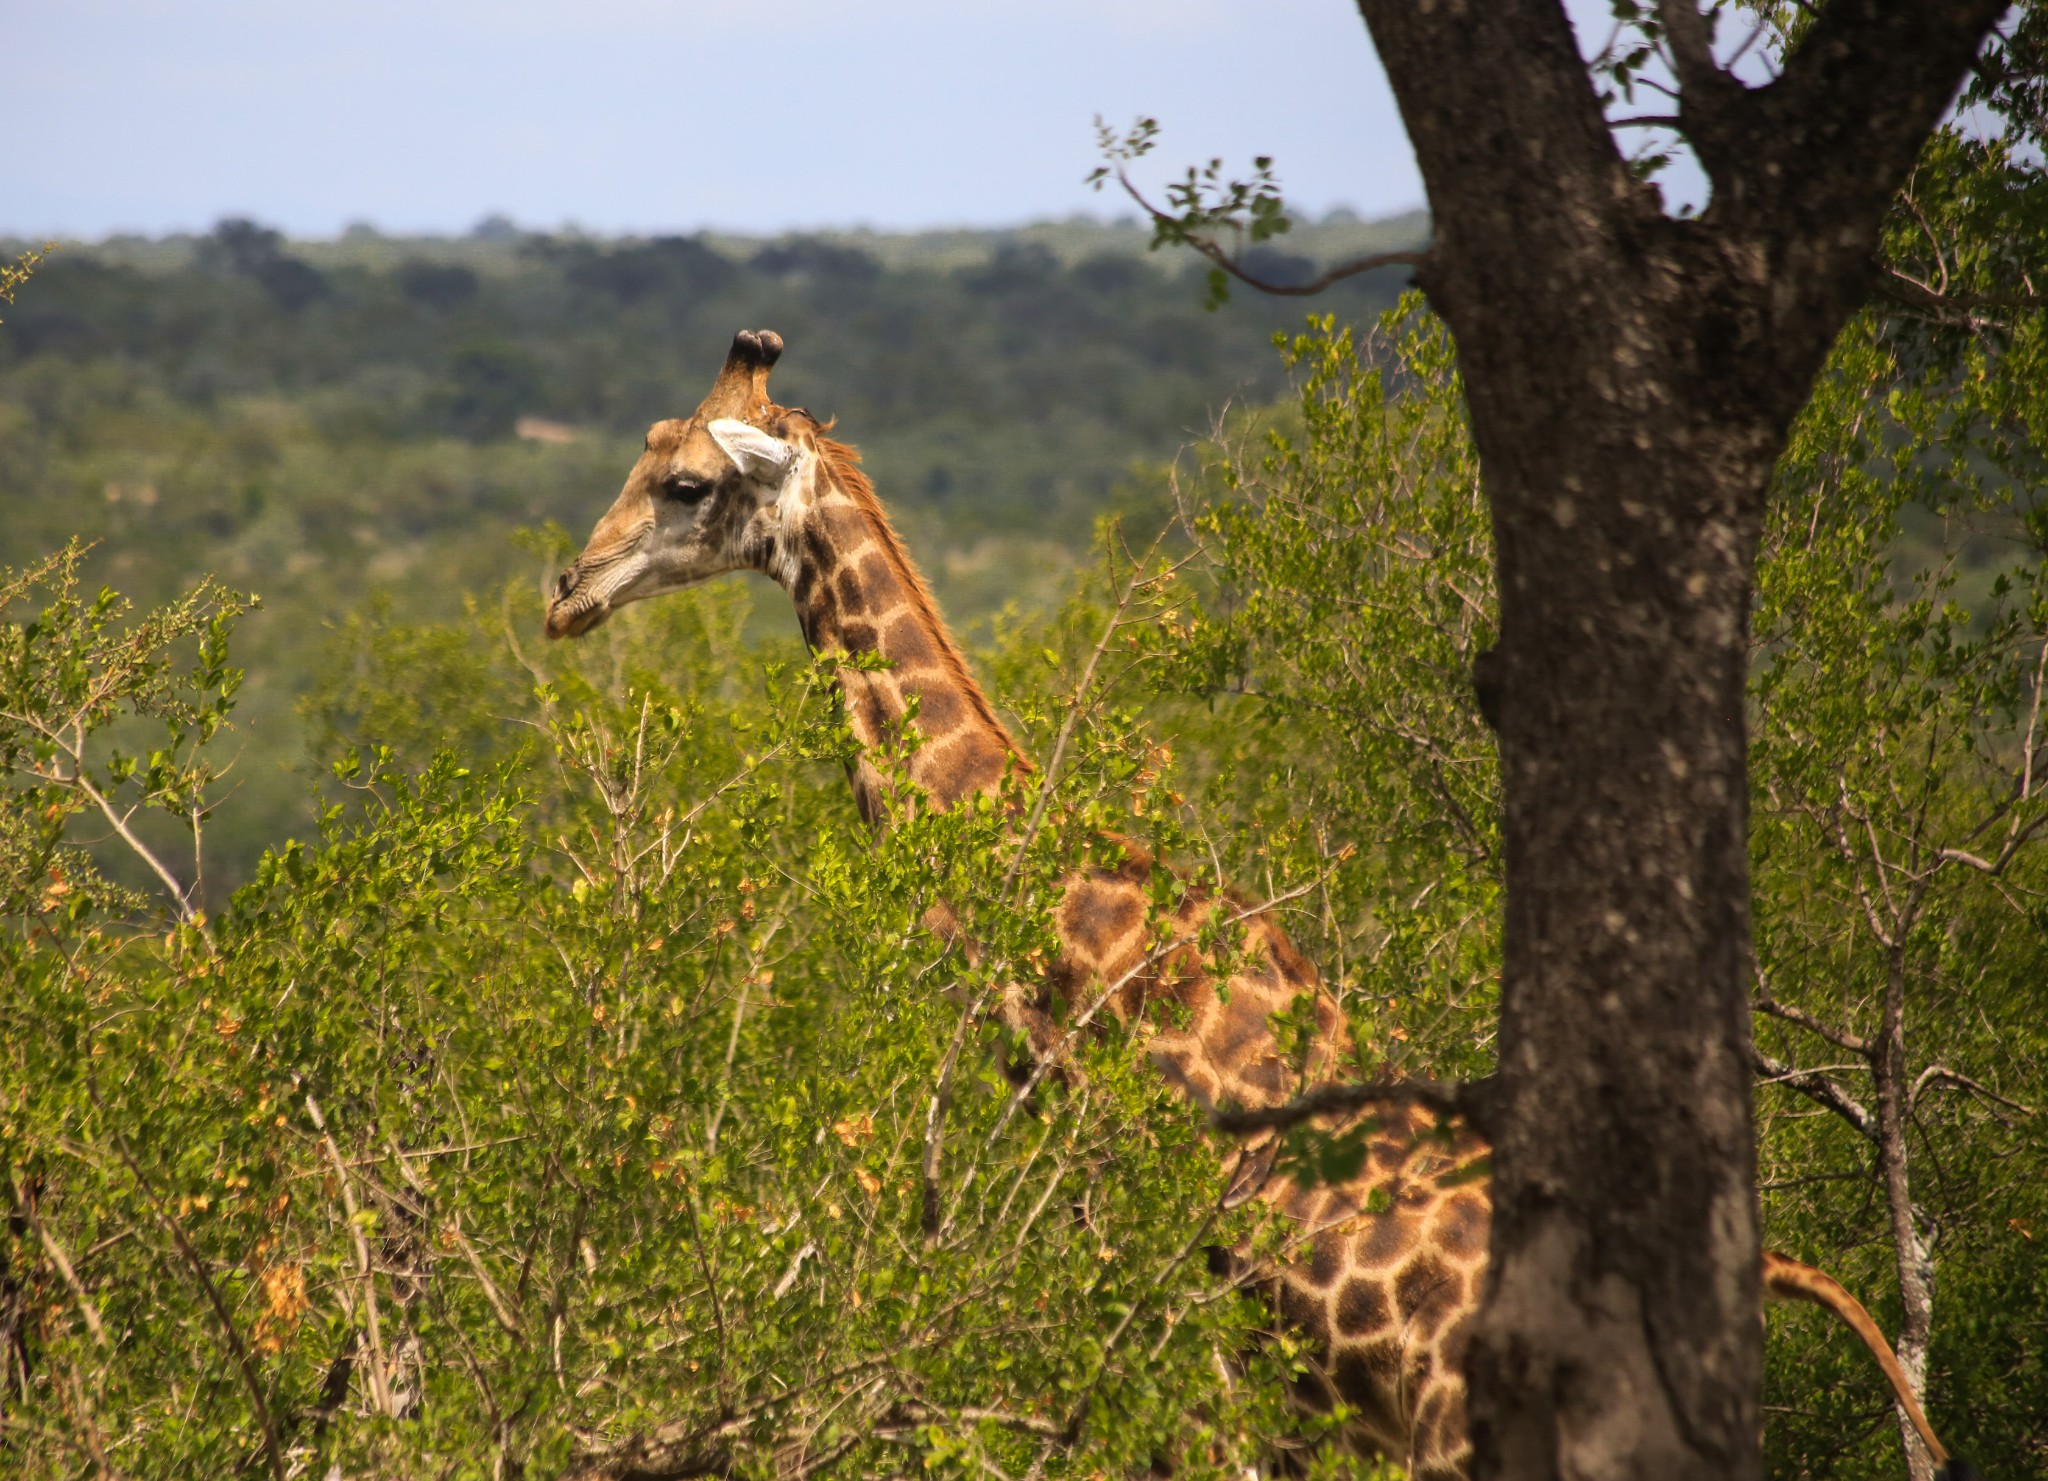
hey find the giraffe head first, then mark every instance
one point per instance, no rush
(700, 500)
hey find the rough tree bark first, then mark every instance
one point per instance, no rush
(1632, 379)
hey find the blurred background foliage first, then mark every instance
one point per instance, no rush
(323, 421)
(562, 1077)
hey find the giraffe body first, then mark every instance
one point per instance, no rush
(1385, 1270)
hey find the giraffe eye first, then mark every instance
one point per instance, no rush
(688, 490)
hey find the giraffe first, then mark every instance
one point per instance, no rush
(1387, 1267)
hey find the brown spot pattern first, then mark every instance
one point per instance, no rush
(939, 711)
(1096, 917)
(1461, 1226)
(1362, 1308)
(1386, 1238)
(879, 581)
(1425, 1290)
(908, 645)
(1326, 1262)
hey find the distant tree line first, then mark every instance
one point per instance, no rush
(330, 422)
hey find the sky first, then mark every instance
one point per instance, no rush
(156, 116)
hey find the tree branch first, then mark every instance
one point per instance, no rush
(1208, 247)
(1831, 138)
(1316, 285)
(2015, 840)
(181, 899)
(935, 1117)
(1028, 1424)
(1840, 1038)
(1819, 1088)
(1510, 137)
(380, 1389)
(422, 1209)
(1941, 1074)
(1709, 100)
(1904, 289)
(58, 1258)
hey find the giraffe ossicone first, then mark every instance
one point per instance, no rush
(1391, 1262)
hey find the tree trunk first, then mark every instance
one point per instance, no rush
(1909, 1246)
(1631, 380)
(1626, 1240)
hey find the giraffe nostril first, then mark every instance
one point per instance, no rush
(565, 583)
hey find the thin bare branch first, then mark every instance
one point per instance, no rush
(1075, 706)
(1840, 1038)
(499, 1307)
(380, 1388)
(1905, 289)
(1209, 249)
(1819, 1088)
(58, 1258)
(935, 1116)
(181, 898)
(2033, 725)
(1941, 1074)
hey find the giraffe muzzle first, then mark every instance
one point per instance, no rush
(569, 617)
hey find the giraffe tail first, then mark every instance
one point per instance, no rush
(1786, 1279)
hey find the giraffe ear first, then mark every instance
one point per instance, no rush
(749, 447)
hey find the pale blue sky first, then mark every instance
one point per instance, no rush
(424, 115)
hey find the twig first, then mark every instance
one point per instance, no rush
(1817, 1087)
(380, 1390)
(244, 1364)
(58, 1258)
(188, 913)
(492, 1294)
(1904, 289)
(1941, 1074)
(789, 1276)
(1078, 1415)
(732, 1049)
(405, 1154)
(2016, 839)
(1849, 857)
(94, 1446)
(648, 1454)
(1208, 248)
(1028, 1424)
(710, 1286)
(935, 1116)
(1074, 709)
(1840, 1038)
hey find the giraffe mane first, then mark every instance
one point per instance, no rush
(842, 464)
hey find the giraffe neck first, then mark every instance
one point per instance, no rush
(856, 591)
(1386, 1293)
